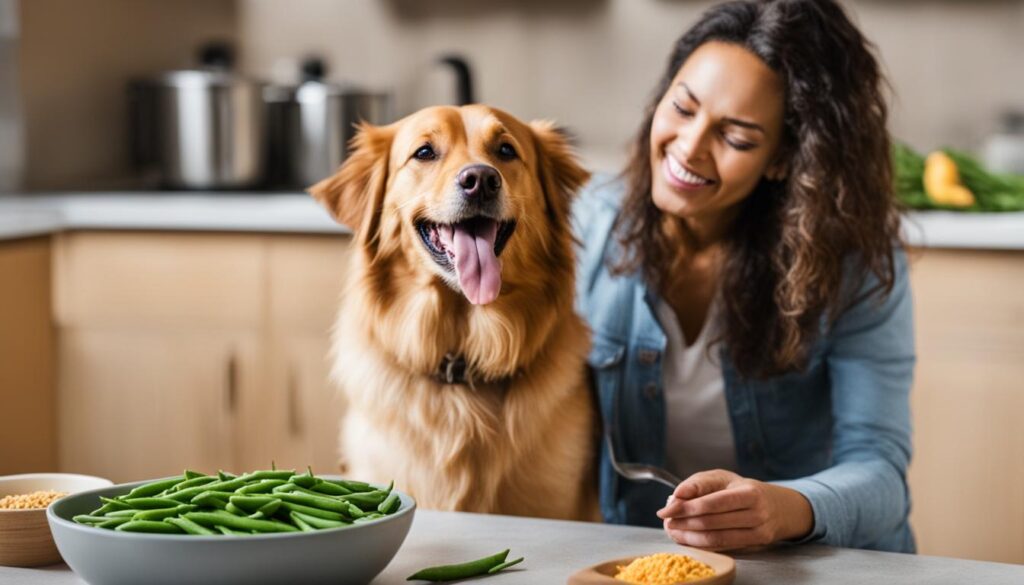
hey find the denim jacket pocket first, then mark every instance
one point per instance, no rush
(604, 359)
(605, 354)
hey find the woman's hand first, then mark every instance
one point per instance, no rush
(720, 510)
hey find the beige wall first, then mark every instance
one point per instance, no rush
(75, 58)
(591, 63)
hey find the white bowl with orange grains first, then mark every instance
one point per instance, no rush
(25, 539)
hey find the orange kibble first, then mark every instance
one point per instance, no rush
(664, 569)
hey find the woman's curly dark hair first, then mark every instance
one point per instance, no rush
(785, 256)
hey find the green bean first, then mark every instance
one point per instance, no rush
(261, 487)
(306, 480)
(189, 474)
(235, 510)
(282, 474)
(114, 504)
(322, 502)
(229, 532)
(270, 508)
(295, 489)
(190, 527)
(151, 503)
(122, 513)
(212, 499)
(89, 519)
(106, 508)
(366, 500)
(187, 494)
(325, 514)
(303, 526)
(353, 486)
(252, 503)
(315, 521)
(149, 526)
(195, 481)
(112, 523)
(354, 511)
(225, 476)
(368, 518)
(504, 566)
(330, 488)
(390, 503)
(238, 522)
(154, 488)
(162, 513)
(460, 571)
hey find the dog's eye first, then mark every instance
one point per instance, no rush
(507, 151)
(425, 152)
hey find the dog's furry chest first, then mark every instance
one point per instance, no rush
(454, 448)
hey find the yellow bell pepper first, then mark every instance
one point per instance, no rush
(942, 182)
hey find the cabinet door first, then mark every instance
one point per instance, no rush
(28, 432)
(139, 404)
(294, 421)
(967, 475)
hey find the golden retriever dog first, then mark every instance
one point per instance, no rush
(456, 348)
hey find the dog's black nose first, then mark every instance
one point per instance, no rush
(480, 182)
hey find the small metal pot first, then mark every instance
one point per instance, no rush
(326, 118)
(311, 125)
(200, 129)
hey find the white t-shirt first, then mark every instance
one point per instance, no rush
(698, 433)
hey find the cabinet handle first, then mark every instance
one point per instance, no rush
(294, 416)
(231, 394)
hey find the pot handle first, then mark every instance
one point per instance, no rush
(463, 78)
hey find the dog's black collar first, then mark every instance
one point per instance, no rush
(453, 370)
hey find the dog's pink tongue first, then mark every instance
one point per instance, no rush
(478, 270)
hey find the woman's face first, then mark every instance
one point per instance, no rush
(715, 132)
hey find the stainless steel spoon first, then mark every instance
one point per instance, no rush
(641, 471)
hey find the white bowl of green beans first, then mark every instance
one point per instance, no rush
(269, 526)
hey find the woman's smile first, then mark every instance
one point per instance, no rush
(680, 177)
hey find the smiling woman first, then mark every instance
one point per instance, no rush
(748, 293)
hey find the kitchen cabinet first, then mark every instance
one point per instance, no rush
(967, 475)
(299, 412)
(186, 350)
(28, 427)
(144, 403)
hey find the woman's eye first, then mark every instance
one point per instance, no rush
(507, 151)
(425, 152)
(739, 144)
(682, 111)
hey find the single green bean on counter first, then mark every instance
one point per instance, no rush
(257, 502)
(485, 566)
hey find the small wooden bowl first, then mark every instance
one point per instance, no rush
(604, 573)
(25, 539)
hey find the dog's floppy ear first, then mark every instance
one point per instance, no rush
(560, 174)
(355, 194)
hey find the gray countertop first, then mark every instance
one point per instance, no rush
(555, 549)
(23, 216)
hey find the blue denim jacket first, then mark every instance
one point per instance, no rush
(839, 433)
